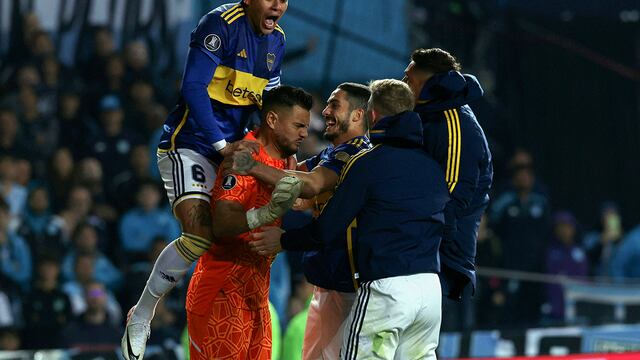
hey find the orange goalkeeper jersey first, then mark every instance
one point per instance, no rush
(230, 265)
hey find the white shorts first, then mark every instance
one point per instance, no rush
(186, 175)
(395, 318)
(326, 319)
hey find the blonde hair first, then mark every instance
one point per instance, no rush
(390, 97)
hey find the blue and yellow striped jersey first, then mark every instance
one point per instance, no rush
(246, 64)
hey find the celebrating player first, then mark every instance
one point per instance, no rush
(327, 269)
(227, 301)
(453, 137)
(235, 53)
(389, 200)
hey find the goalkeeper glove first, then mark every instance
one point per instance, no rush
(283, 196)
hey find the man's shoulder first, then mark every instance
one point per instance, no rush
(224, 16)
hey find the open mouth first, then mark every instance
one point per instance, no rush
(270, 22)
(329, 122)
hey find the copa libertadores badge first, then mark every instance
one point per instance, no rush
(212, 42)
(229, 182)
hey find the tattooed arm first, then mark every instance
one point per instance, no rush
(320, 179)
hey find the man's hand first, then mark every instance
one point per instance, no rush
(284, 194)
(267, 242)
(239, 162)
(240, 145)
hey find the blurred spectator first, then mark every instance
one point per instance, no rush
(601, 244)
(112, 84)
(40, 45)
(85, 239)
(136, 57)
(24, 173)
(60, 177)
(14, 194)
(112, 145)
(140, 225)
(565, 257)
(625, 261)
(84, 275)
(15, 257)
(76, 124)
(37, 128)
(103, 47)
(10, 339)
(89, 174)
(129, 181)
(10, 141)
(27, 76)
(489, 298)
(46, 309)
(40, 228)
(520, 219)
(141, 100)
(93, 330)
(78, 209)
(520, 159)
(52, 75)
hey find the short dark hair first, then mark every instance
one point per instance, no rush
(285, 96)
(435, 60)
(357, 94)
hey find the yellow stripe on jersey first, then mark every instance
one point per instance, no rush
(447, 175)
(279, 29)
(353, 159)
(236, 17)
(234, 87)
(178, 128)
(453, 149)
(352, 260)
(232, 11)
(459, 142)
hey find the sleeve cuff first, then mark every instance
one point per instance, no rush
(219, 145)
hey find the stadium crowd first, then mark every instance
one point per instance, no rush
(83, 214)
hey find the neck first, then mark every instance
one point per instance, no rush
(267, 140)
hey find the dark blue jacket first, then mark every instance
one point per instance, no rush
(329, 268)
(390, 201)
(453, 137)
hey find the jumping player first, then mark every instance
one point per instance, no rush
(235, 53)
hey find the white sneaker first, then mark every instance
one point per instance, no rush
(134, 340)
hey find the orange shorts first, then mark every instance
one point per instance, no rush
(230, 332)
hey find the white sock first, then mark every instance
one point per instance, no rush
(168, 270)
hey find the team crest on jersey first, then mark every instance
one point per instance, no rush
(271, 59)
(229, 182)
(212, 42)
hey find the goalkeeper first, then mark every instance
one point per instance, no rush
(227, 301)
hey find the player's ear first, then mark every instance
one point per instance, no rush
(271, 119)
(358, 114)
